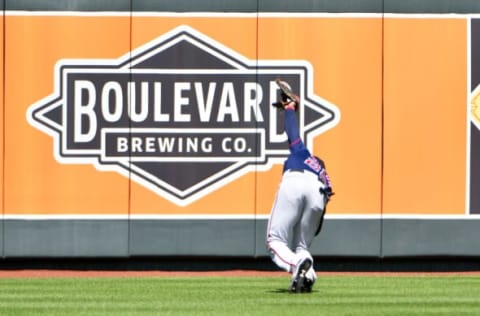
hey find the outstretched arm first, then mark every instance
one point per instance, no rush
(292, 130)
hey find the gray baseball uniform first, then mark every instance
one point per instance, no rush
(299, 204)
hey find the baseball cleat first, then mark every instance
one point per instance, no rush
(307, 286)
(310, 278)
(299, 279)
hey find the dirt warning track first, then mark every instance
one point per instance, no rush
(227, 273)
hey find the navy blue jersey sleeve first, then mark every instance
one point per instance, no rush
(293, 133)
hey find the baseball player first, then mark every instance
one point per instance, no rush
(299, 206)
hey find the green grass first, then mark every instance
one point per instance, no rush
(332, 295)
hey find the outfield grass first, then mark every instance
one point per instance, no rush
(332, 295)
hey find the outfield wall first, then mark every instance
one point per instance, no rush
(143, 128)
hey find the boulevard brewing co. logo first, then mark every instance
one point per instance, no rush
(181, 115)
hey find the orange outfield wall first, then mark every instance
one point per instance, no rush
(399, 84)
(425, 110)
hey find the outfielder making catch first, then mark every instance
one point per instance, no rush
(300, 203)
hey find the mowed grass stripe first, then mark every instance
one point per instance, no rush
(332, 295)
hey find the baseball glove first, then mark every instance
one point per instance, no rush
(286, 95)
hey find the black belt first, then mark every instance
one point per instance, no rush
(296, 170)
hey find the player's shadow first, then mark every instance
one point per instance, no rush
(287, 291)
(280, 291)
